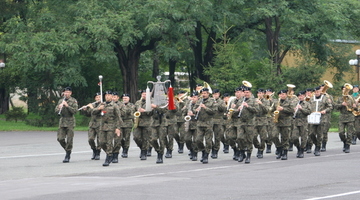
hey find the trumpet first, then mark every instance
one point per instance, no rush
(181, 99)
(136, 118)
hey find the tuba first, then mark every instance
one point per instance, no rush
(206, 85)
(355, 112)
(326, 86)
(290, 89)
(136, 118)
(345, 94)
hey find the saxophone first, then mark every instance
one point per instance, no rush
(187, 118)
(136, 118)
(277, 113)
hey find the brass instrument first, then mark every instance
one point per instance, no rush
(356, 113)
(89, 105)
(136, 118)
(247, 84)
(326, 86)
(181, 99)
(229, 109)
(187, 118)
(347, 87)
(290, 89)
(277, 113)
(206, 85)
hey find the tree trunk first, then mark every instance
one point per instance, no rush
(272, 41)
(209, 53)
(197, 50)
(4, 101)
(172, 65)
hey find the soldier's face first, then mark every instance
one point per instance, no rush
(301, 97)
(67, 94)
(108, 97)
(260, 94)
(143, 95)
(115, 98)
(282, 96)
(238, 94)
(205, 94)
(247, 93)
(317, 93)
(126, 99)
(194, 99)
(226, 99)
(308, 93)
(216, 95)
(355, 89)
(97, 98)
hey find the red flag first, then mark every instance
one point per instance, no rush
(171, 105)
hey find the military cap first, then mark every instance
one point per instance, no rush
(198, 85)
(126, 95)
(238, 89)
(317, 88)
(282, 91)
(204, 90)
(216, 91)
(115, 93)
(142, 91)
(246, 88)
(194, 94)
(68, 88)
(226, 95)
(309, 90)
(181, 92)
(355, 86)
(268, 90)
(97, 94)
(108, 92)
(301, 93)
(261, 90)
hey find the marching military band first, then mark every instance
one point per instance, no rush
(205, 119)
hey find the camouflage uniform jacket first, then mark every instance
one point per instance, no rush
(324, 103)
(111, 119)
(127, 115)
(345, 115)
(145, 117)
(286, 115)
(164, 116)
(247, 116)
(94, 119)
(67, 118)
(301, 114)
(205, 115)
(261, 116)
(219, 113)
(192, 125)
(180, 112)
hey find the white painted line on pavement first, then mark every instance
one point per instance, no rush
(38, 155)
(335, 195)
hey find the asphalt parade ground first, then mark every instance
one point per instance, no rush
(31, 168)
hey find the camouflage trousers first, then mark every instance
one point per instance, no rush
(316, 133)
(181, 131)
(262, 132)
(65, 136)
(123, 140)
(230, 136)
(93, 135)
(325, 131)
(106, 141)
(280, 136)
(158, 138)
(346, 136)
(269, 131)
(190, 137)
(299, 132)
(218, 136)
(142, 137)
(207, 133)
(171, 134)
(357, 126)
(244, 138)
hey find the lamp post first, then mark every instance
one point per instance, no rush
(356, 63)
(2, 64)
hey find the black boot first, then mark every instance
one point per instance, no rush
(279, 150)
(125, 153)
(323, 146)
(205, 158)
(108, 160)
(143, 154)
(194, 156)
(353, 141)
(67, 157)
(181, 148)
(248, 155)
(214, 154)
(284, 155)
(236, 154)
(347, 148)
(202, 156)
(242, 155)
(308, 149)
(115, 158)
(226, 148)
(298, 152)
(291, 145)
(93, 155)
(317, 151)
(97, 156)
(261, 154)
(257, 154)
(168, 154)
(301, 153)
(159, 158)
(148, 153)
(344, 146)
(268, 148)
(191, 154)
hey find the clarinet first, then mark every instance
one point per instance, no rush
(62, 105)
(197, 114)
(241, 108)
(297, 108)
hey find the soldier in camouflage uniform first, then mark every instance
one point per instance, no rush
(218, 120)
(190, 127)
(261, 122)
(233, 121)
(269, 117)
(319, 103)
(66, 108)
(158, 131)
(142, 132)
(180, 129)
(117, 139)
(346, 105)
(94, 126)
(356, 96)
(283, 126)
(205, 109)
(226, 98)
(328, 121)
(127, 115)
(245, 111)
(302, 110)
(170, 118)
(110, 125)
(309, 94)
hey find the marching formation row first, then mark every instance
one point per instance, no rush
(205, 119)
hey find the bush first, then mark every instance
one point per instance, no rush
(335, 119)
(16, 113)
